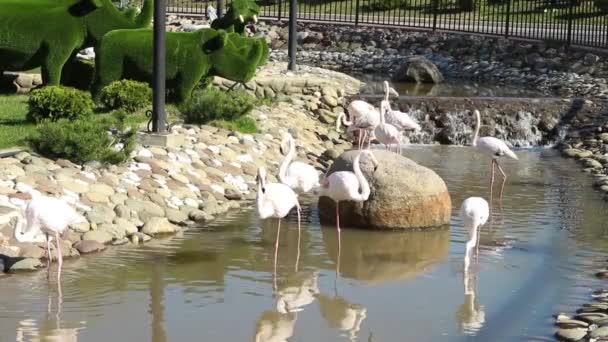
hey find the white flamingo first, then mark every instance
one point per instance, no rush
(347, 185)
(493, 148)
(399, 119)
(46, 215)
(297, 175)
(276, 200)
(474, 212)
(364, 116)
(387, 134)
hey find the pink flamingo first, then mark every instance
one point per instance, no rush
(493, 148)
(474, 212)
(387, 134)
(296, 174)
(275, 200)
(397, 118)
(365, 117)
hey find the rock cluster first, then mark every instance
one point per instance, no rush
(164, 190)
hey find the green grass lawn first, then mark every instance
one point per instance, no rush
(14, 129)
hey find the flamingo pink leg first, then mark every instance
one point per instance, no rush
(504, 180)
(492, 180)
(338, 216)
(360, 138)
(59, 256)
(298, 255)
(276, 254)
(49, 256)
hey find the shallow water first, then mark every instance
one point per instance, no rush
(451, 88)
(216, 284)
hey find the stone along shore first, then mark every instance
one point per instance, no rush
(164, 190)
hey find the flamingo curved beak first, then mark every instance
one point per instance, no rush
(241, 19)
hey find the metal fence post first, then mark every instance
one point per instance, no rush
(280, 9)
(220, 8)
(570, 18)
(507, 20)
(293, 34)
(357, 13)
(435, 12)
(158, 89)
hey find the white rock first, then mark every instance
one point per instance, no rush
(214, 149)
(191, 202)
(145, 153)
(217, 188)
(244, 158)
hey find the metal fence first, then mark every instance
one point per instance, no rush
(573, 22)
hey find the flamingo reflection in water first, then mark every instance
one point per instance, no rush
(342, 315)
(300, 291)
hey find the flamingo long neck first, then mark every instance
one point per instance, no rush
(384, 106)
(19, 233)
(477, 126)
(365, 191)
(342, 119)
(288, 158)
(261, 195)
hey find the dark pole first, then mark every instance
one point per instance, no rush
(220, 8)
(158, 101)
(293, 34)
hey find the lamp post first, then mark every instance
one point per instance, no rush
(158, 88)
(293, 34)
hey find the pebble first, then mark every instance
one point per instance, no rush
(98, 235)
(89, 246)
(574, 334)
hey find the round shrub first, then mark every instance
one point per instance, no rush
(126, 94)
(212, 104)
(56, 102)
(83, 140)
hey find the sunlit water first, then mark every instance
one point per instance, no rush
(450, 88)
(216, 284)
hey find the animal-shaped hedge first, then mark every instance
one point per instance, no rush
(45, 33)
(190, 56)
(239, 14)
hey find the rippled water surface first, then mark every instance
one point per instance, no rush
(216, 284)
(450, 88)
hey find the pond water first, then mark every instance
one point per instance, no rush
(216, 284)
(451, 88)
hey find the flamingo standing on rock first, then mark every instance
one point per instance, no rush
(387, 134)
(493, 148)
(276, 200)
(46, 215)
(365, 117)
(474, 212)
(297, 175)
(397, 118)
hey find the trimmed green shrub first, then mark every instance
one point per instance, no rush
(57, 102)
(46, 33)
(385, 5)
(237, 9)
(214, 104)
(81, 141)
(78, 74)
(601, 5)
(126, 94)
(127, 54)
(244, 124)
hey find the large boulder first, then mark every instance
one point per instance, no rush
(418, 69)
(403, 195)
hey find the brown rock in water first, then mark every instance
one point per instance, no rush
(403, 195)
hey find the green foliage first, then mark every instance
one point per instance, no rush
(214, 104)
(601, 5)
(57, 102)
(191, 56)
(83, 140)
(244, 124)
(385, 5)
(45, 33)
(231, 21)
(78, 74)
(126, 94)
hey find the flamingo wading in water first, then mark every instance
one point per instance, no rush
(365, 117)
(402, 121)
(276, 200)
(474, 212)
(46, 215)
(493, 148)
(297, 175)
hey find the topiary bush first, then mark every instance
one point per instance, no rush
(126, 94)
(83, 140)
(58, 102)
(212, 104)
